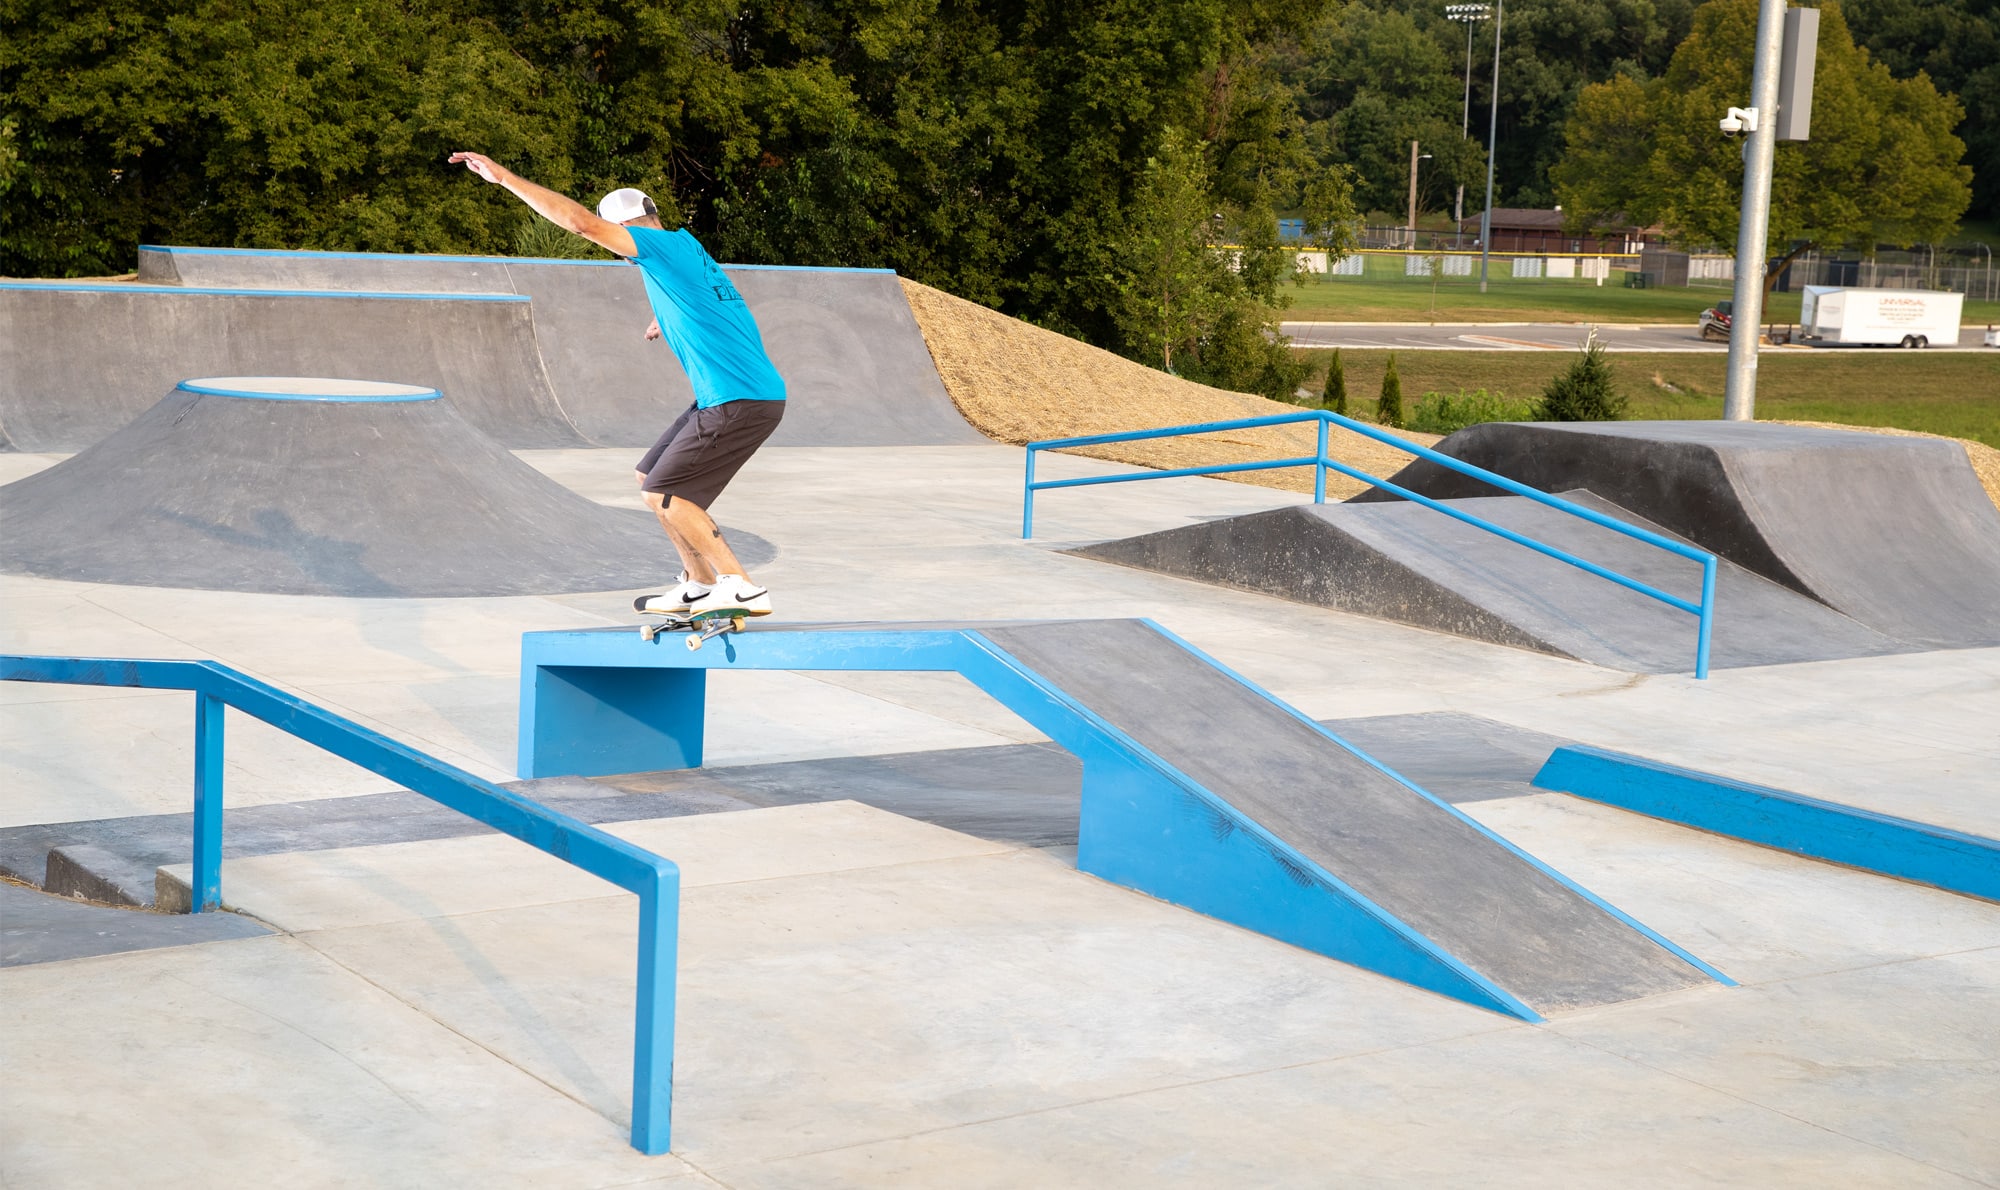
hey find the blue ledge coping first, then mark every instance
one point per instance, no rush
(140, 288)
(447, 259)
(296, 388)
(1900, 847)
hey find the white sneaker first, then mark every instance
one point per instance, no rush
(675, 602)
(733, 593)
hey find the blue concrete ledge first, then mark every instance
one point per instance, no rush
(1899, 847)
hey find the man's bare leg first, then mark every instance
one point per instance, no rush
(697, 567)
(704, 555)
(690, 523)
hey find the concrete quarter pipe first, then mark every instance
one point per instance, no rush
(845, 340)
(80, 359)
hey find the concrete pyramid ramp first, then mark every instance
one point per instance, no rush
(1895, 533)
(321, 487)
(1404, 562)
(845, 340)
(78, 360)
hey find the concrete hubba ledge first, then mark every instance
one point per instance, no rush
(1198, 788)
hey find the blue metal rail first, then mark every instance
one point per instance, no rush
(656, 881)
(1321, 463)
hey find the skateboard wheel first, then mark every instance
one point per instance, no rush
(737, 623)
(694, 644)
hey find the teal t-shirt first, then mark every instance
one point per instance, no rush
(704, 320)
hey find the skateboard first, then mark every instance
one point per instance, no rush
(701, 627)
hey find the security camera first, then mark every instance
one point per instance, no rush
(1739, 119)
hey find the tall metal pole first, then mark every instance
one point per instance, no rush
(1413, 194)
(1493, 134)
(1739, 401)
(1464, 132)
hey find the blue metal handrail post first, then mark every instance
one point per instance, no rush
(653, 1027)
(208, 758)
(1319, 463)
(1707, 628)
(1028, 498)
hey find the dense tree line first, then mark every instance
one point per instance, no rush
(1055, 158)
(1882, 164)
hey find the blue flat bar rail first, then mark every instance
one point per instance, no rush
(656, 881)
(1321, 463)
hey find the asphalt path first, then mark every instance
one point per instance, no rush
(1541, 336)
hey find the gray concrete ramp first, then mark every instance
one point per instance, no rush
(1404, 562)
(78, 360)
(299, 487)
(1895, 533)
(1534, 935)
(845, 340)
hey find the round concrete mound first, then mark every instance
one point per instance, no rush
(297, 486)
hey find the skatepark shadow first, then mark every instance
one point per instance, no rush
(333, 565)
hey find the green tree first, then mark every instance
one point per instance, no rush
(1331, 223)
(1173, 280)
(1389, 406)
(1956, 43)
(1334, 395)
(258, 123)
(1882, 164)
(1586, 391)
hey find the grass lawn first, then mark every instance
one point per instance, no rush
(1386, 295)
(1956, 393)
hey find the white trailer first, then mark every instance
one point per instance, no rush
(1832, 314)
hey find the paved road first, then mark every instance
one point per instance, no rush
(1534, 336)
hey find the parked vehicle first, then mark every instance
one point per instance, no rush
(1832, 314)
(1714, 323)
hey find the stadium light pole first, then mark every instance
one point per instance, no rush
(1467, 15)
(1492, 135)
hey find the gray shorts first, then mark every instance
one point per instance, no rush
(705, 448)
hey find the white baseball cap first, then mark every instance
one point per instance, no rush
(627, 203)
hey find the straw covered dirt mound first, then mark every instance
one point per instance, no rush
(1017, 383)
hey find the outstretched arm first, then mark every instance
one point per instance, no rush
(564, 212)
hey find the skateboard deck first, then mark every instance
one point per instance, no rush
(702, 627)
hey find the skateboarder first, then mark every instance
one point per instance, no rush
(738, 396)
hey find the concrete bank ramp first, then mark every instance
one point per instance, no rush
(1400, 561)
(855, 363)
(1895, 533)
(78, 360)
(312, 487)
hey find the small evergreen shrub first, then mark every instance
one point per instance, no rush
(1587, 391)
(1389, 408)
(1446, 413)
(538, 237)
(1334, 395)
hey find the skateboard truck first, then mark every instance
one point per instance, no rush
(701, 629)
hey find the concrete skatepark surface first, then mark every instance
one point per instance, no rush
(931, 1009)
(1894, 533)
(855, 364)
(358, 489)
(867, 999)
